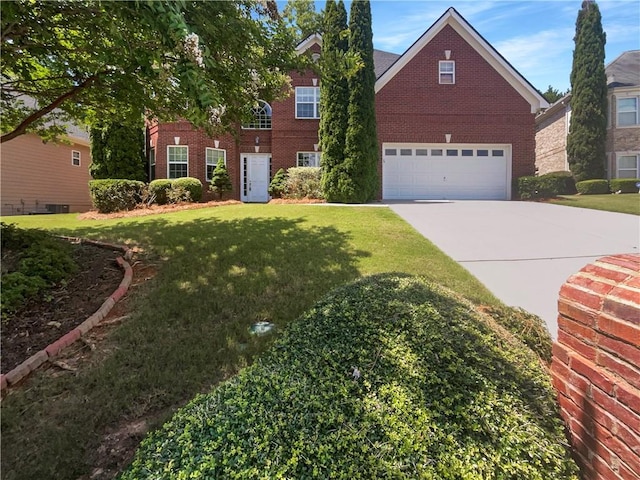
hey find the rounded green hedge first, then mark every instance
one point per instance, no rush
(114, 195)
(593, 187)
(624, 185)
(388, 377)
(191, 185)
(159, 189)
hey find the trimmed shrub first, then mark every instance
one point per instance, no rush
(303, 182)
(278, 185)
(115, 195)
(191, 185)
(387, 377)
(545, 186)
(220, 182)
(592, 187)
(560, 183)
(158, 189)
(624, 185)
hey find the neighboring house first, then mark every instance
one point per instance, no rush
(38, 177)
(623, 123)
(455, 121)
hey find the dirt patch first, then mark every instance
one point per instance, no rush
(44, 319)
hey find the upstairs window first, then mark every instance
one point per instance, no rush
(627, 111)
(261, 117)
(447, 71)
(307, 102)
(75, 158)
(178, 161)
(308, 159)
(213, 155)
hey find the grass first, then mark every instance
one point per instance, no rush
(221, 270)
(626, 203)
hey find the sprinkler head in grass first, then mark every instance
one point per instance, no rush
(261, 328)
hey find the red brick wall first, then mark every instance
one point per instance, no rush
(481, 107)
(596, 366)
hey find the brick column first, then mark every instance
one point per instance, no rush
(596, 366)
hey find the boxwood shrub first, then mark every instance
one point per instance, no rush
(158, 190)
(303, 182)
(548, 185)
(191, 185)
(592, 187)
(388, 377)
(115, 195)
(624, 185)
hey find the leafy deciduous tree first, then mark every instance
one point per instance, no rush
(208, 62)
(586, 142)
(302, 18)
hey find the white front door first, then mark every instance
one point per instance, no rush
(254, 177)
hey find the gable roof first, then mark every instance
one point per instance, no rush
(624, 71)
(452, 18)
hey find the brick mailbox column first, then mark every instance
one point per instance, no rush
(596, 366)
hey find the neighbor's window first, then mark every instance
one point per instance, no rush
(308, 159)
(178, 161)
(628, 166)
(152, 164)
(307, 102)
(627, 111)
(75, 158)
(213, 155)
(261, 117)
(447, 71)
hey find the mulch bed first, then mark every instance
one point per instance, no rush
(45, 319)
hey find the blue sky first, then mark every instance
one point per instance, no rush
(535, 36)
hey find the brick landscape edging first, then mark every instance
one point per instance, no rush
(51, 351)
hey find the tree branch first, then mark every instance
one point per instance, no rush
(37, 115)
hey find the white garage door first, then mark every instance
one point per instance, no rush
(446, 172)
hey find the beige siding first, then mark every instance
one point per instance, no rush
(34, 174)
(551, 143)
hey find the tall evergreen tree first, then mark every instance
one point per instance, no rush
(361, 143)
(588, 129)
(117, 151)
(334, 99)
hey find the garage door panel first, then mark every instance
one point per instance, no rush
(478, 174)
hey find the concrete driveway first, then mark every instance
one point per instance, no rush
(522, 251)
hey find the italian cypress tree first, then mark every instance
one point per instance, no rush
(588, 130)
(361, 143)
(117, 151)
(334, 99)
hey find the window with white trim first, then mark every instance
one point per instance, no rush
(213, 155)
(262, 114)
(308, 159)
(447, 71)
(177, 161)
(627, 111)
(152, 164)
(628, 166)
(307, 102)
(75, 158)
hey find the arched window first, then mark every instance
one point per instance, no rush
(261, 117)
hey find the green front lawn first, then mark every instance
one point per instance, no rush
(624, 203)
(220, 270)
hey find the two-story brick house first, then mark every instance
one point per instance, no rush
(623, 123)
(455, 121)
